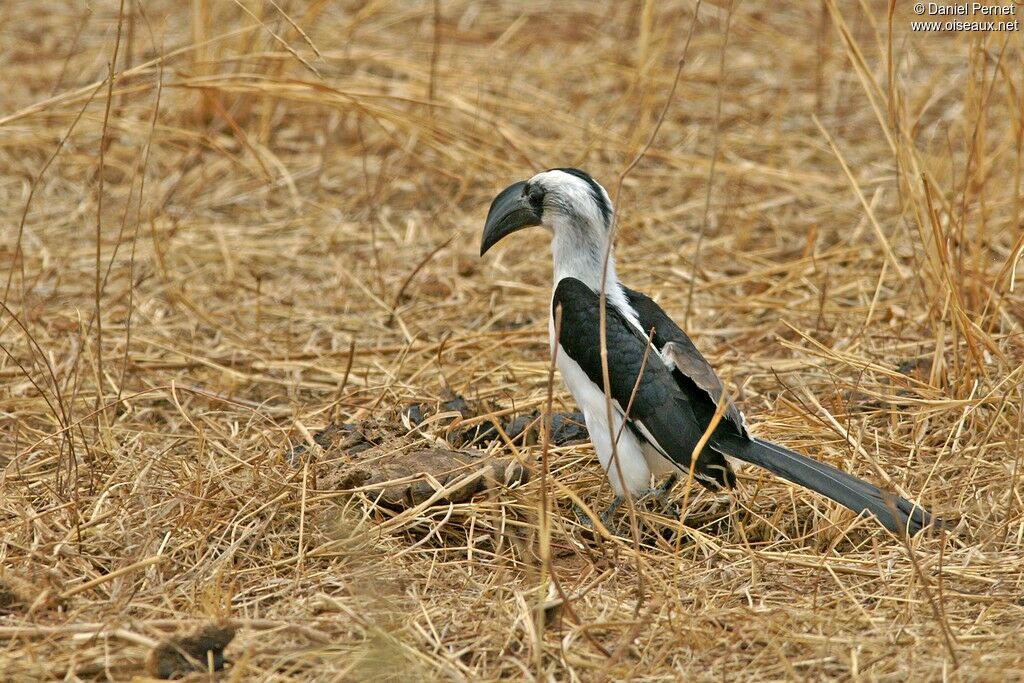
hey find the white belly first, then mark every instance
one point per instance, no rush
(629, 471)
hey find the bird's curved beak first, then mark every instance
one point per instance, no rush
(510, 211)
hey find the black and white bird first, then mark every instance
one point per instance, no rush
(676, 396)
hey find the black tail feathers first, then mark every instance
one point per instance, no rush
(897, 514)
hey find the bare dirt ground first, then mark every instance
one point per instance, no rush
(268, 221)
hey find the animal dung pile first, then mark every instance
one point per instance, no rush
(397, 470)
(401, 464)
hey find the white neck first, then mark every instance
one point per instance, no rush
(581, 255)
(579, 252)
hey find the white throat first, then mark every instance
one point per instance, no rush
(579, 252)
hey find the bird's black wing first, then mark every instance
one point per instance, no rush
(662, 411)
(691, 368)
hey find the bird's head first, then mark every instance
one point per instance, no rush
(566, 201)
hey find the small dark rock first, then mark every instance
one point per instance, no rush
(483, 432)
(415, 414)
(458, 404)
(568, 428)
(516, 427)
(330, 436)
(326, 436)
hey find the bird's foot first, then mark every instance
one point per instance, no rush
(607, 517)
(664, 505)
(661, 495)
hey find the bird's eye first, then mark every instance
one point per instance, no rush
(535, 195)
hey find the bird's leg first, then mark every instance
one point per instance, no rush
(660, 494)
(606, 517)
(664, 489)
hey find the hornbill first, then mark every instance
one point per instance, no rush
(666, 411)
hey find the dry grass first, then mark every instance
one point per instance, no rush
(191, 253)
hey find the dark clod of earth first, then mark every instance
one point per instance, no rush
(181, 655)
(566, 428)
